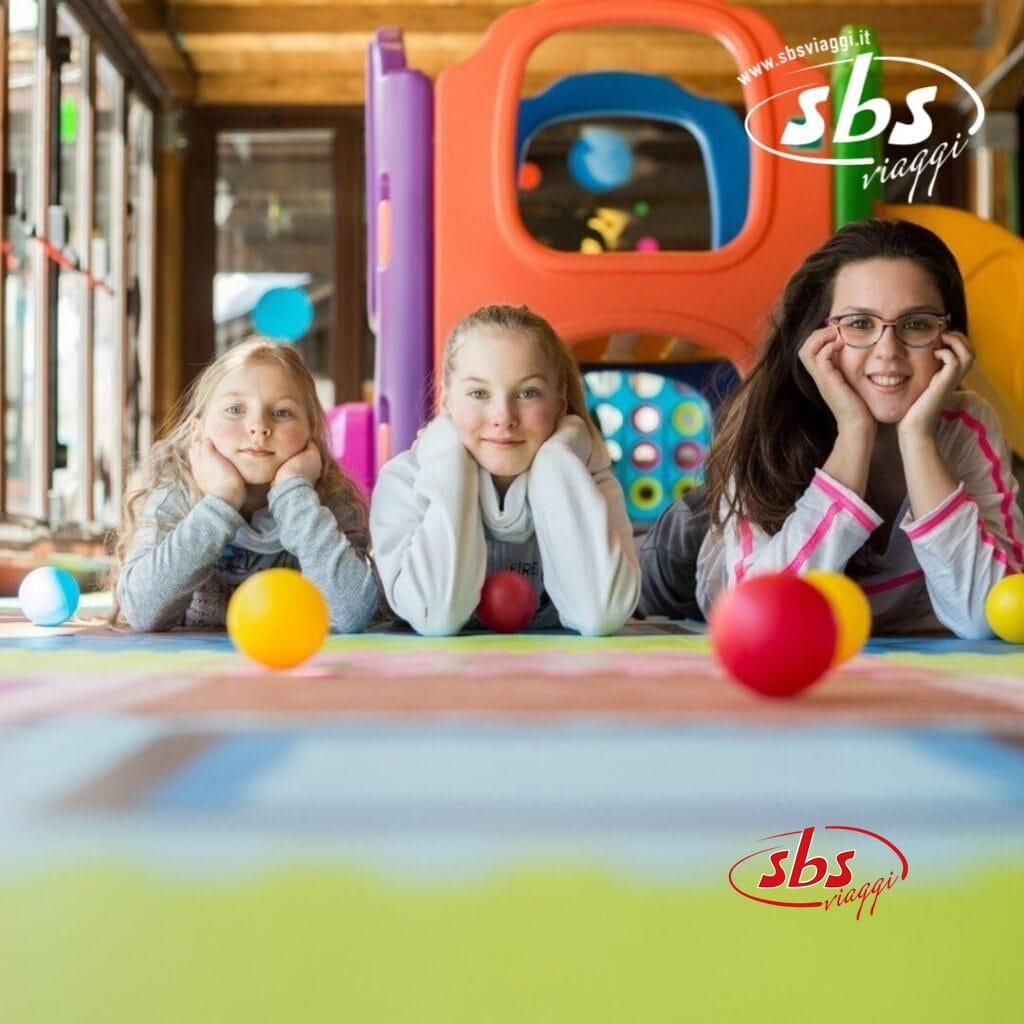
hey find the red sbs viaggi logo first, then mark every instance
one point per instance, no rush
(925, 163)
(829, 868)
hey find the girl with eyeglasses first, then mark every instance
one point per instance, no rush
(851, 447)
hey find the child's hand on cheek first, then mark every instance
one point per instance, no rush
(306, 464)
(214, 474)
(573, 434)
(817, 354)
(955, 359)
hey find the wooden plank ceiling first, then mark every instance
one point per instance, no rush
(301, 52)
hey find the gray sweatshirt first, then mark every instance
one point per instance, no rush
(187, 559)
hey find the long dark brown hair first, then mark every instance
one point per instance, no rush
(776, 429)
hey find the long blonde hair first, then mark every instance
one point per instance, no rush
(523, 320)
(167, 464)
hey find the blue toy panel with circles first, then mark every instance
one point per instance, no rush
(657, 429)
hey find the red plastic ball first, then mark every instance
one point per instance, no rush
(530, 176)
(507, 602)
(775, 634)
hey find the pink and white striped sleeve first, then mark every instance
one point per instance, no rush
(828, 524)
(976, 536)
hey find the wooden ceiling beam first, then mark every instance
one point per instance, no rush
(144, 15)
(178, 6)
(1007, 94)
(878, 9)
(797, 24)
(770, 8)
(284, 88)
(169, 63)
(286, 18)
(433, 51)
(297, 41)
(271, 88)
(1009, 28)
(147, 19)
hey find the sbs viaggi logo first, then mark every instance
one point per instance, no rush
(925, 163)
(849, 866)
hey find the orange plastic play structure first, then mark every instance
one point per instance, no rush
(483, 253)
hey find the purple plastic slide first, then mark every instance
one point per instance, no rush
(399, 215)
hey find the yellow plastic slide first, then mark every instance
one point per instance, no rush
(992, 261)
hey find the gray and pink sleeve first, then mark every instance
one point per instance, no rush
(827, 526)
(976, 536)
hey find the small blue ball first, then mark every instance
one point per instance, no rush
(600, 160)
(284, 314)
(48, 596)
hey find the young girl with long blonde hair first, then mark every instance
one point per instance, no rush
(511, 475)
(243, 481)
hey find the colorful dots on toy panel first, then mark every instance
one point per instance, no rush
(851, 609)
(657, 431)
(278, 618)
(683, 485)
(646, 494)
(507, 602)
(48, 596)
(775, 634)
(1004, 608)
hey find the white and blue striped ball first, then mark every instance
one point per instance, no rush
(48, 596)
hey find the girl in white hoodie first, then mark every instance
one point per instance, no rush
(510, 475)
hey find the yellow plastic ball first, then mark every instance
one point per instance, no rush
(850, 607)
(1004, 608)
(278, 618)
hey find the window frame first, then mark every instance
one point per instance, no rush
(349, 335)
(105, 30)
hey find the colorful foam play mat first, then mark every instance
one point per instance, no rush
(529, 828)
